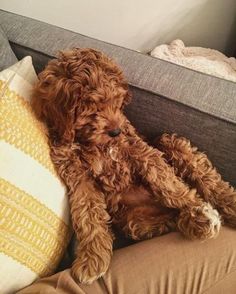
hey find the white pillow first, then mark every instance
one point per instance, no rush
(34, 212)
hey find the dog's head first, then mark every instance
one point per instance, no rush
(80, 95)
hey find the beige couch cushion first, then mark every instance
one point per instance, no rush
(165, 265)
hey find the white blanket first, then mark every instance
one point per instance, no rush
(205, 60)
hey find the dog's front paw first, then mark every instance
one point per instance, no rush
(202, 222)
(88, 269)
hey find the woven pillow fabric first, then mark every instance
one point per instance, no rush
(34, 212)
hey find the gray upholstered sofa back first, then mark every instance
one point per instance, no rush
(166, 97)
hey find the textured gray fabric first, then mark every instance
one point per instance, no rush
(7, 57)
(167, 97)
(208, 94)
(39, 59)
(153, 115)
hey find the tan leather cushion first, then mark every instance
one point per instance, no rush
(165, 265)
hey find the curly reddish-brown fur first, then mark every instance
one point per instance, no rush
(195, 169)
(117, 177)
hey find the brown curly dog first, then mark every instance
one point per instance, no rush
(112, 175)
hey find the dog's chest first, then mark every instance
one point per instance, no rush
(112, 171)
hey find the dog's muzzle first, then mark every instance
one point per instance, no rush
(114, 133)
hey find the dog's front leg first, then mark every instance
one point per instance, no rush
(91, 224)
(196, 167)
(197, 218)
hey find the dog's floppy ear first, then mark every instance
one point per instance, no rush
(55, 99)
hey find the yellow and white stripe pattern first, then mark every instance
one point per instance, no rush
(34, 213)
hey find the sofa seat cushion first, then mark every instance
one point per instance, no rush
(164, 265)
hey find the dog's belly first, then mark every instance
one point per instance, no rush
(135, 214)
(140, 196)
(123, 189)
(136, 195)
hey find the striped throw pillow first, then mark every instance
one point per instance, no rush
(34, 212)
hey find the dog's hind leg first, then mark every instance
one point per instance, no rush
(195, 168)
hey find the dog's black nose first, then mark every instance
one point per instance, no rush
(114, 133)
